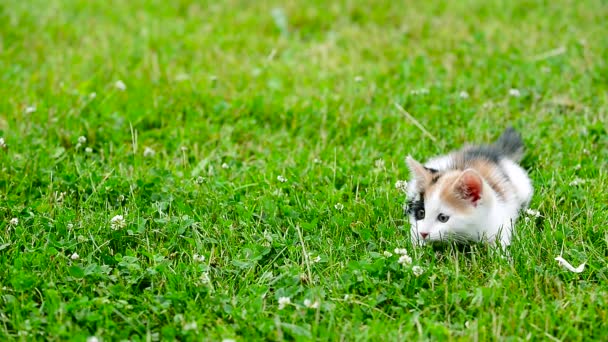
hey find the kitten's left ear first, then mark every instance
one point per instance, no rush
(419, 172)
(469, 186)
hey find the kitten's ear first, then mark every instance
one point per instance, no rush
(469, 186)
(419, 172)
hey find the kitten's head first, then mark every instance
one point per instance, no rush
(446, 206)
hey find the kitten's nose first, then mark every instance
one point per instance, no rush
(424, 235)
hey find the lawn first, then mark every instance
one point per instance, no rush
(227, 170)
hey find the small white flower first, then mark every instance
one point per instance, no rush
(212, 78)
(358, 79)
(421, 91)
(92, 95)
(317, 161)
(198, 258)
(577, 181)
(190, 326)
(118, 222)
(2, 143)
(388, 254)
(316, 259)
(182, 77)
(401, 251)
(379, 164)
(577, 167)
(120, 85)
(29, 109)
(339, 206)
(463, 95)
(70, 226)
(184, 148)
(82, 139)
(346, 297)
(514, 92)
(200, 180)
(533, 212)
(401, 185)
(228, 340)
(281, 179)
(149, 152)
(75, 256)
(417, 270)
(92, 339)
(225, 166)
(283, 302)
(405, 259)
(88, 150)
(14, 221)
(205, 278)
(310, 304)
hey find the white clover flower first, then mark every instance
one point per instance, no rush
(463, 95)
(92, 95)
(205, 279)
(514, 92)
(2, 143)
(316, 259)
(190, 326)
(14, 221)
(75, 256)
(417, 270)
(533, 212)
(358, 79)
(405, 260)
(184, 148)
(228, 340)
(310, 304)
(577, 181)
(200, 180)
(388, 254)
(401, 251)
(92, 339)
(283, 302)
(317, 161)
(225, 166)
(401, 185)
(120, 85)
(70, 226)
(421, 91)
(379, 164)
(88, 150)
(346, 297)
(181, 77)
(30, 109)
(118, 222)
(82, 139)
(339, 206)
(281, 179)
(149, 152)
(198, 258)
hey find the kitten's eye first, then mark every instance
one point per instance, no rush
(443, 218)
(419, 214)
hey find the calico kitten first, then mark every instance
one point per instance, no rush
(471, 195)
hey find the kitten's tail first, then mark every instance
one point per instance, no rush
(510, 144)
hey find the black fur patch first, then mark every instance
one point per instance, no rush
(415, 205)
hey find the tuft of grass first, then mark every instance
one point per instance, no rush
(252, 151)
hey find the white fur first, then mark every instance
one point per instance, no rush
(492, 220)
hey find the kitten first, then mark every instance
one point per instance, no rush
(471, 195)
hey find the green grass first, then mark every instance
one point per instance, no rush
(234, 95)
